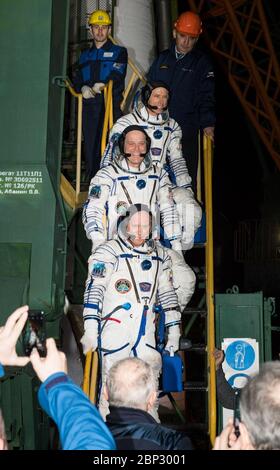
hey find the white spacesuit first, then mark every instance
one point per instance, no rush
(124, 285)
(166, 151)
(183, 278)
(115, 187)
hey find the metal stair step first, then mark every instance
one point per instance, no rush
(185, 344)
(199, 245)
(195, 311)
(199, 348)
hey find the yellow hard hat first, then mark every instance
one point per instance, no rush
(99, 17)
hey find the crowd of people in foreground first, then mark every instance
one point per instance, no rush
(131, 391)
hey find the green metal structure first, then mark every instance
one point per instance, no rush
(33, 45)
(245, 316)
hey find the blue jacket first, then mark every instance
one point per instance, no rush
(135, 429)
(79, 423)
(101, 65)
(191, 82)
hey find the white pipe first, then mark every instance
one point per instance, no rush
(134, 29)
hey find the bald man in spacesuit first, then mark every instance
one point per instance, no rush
(131, 178)
(128, 277)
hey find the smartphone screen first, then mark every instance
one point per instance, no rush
(236, 414)
(34, 333)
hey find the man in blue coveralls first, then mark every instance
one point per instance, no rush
(102, 62)
(189, 74)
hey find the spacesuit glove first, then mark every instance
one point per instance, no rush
(173, 338)
(97, 87)
(87, 92)
(90, 338)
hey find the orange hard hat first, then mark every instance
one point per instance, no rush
(189, 23)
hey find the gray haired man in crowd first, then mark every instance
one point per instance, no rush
(131, 389)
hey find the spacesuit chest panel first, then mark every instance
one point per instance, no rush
(134, 281)
(159, 144)
(127, 190)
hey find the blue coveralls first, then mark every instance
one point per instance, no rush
(99, 65)
(192, 101)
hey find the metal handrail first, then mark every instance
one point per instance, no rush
(108, 122)
(198, 174)
(108, 117)
(135, 74)
(90, 379)
(87, 373)
(212, 411)
(79, 96)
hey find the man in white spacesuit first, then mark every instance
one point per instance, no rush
(127, 277)
(131, 178)
(151, 113)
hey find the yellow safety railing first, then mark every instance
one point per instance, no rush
(198, 174)
(108, 117)
(135, 74)
(208, 163)
(90, 381)
(74, 197)
(79, 139)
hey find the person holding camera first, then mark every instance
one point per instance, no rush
(79, 423)
(9, 334)
(259, 426)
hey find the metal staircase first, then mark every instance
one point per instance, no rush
(238, 34)
(199, 323)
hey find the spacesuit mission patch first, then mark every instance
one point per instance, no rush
(123, 286)
(141, 184)
(121, 207)
(95, 191)
(145, 286)
(99, 270)
(157, 134)
(156, 151)
(146, 265)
